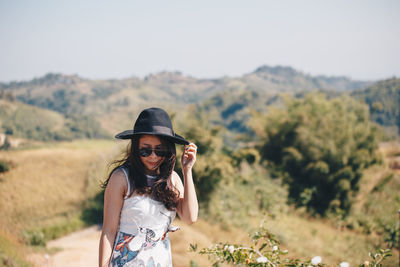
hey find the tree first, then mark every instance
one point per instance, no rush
(321, 146)
(212, 164)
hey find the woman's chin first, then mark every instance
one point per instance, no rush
(152, 169)
(153, 166)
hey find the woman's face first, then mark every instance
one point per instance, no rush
(151, 153)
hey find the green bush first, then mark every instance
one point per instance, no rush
(6, 145)
(391, 235)
(321, 146)
(4, 166)
(213, 164)
(35, 238)
(93, 209)
(73, 223)
(265, 251)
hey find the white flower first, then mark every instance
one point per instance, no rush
(231, 249)
(344, 264)
(262, 259)
(46, 256)
(274, 248)
(226, 247)
(316, 260)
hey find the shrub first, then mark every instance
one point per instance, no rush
(93, 209)
(265, 252)
(321, 146)
(35, 238)
(392, 235)
(4, 166)
(212, 164)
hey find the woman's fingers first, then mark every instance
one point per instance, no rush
(191, 147)
(190, 153)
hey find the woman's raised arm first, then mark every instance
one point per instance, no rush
(188, 207)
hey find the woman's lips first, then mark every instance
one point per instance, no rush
(154, 164)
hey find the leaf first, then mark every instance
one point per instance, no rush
(193, 248)
(263, 246)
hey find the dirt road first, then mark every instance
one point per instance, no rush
(79, 249)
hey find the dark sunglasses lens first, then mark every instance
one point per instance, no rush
(161, 153)
(144, 152)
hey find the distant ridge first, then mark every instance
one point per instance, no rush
(47, 79)
(277, 70)
(113, 102)
(282, 71)
(289, 75)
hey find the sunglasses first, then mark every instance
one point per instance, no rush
(146, 151)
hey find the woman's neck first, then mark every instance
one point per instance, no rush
(152, 173)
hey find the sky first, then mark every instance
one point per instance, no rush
(101, 39)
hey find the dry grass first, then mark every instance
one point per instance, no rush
(49, 182)
(391, 152)
(371, 178)
(306, 238)
(47, 185)
(303, 237)
(11, 252)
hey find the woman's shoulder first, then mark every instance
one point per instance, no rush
(177, 182)
(119, 173)
(175, 177)
(118, 180)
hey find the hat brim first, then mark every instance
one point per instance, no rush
(129, 134)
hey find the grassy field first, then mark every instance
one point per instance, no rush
(45, 189)
(48, 184)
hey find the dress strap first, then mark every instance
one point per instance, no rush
(127, 181)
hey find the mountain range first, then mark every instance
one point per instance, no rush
(112, 105)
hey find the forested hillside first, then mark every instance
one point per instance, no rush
(383, 99)
(20, 120)
(112, 104)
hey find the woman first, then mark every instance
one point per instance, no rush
(143, 195)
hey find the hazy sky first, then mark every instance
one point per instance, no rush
(204, 39)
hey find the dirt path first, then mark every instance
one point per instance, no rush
(79, 249)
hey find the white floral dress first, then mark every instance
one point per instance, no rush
(142, 238)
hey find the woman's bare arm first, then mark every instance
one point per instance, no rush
(113, 201)
(188, 207)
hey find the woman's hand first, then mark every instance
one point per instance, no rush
(189, 156)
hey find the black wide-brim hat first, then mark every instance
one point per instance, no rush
(154, 121)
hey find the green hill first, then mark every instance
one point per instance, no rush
(233, 107)
(30, 122)
(71, 94)
(229, 101)
(113, 103)
(383, 99)
(286, 79)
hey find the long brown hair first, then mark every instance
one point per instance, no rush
(162, 190)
